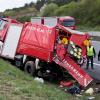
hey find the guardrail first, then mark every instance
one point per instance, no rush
(94, 33)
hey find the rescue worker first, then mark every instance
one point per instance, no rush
(60, 49)
(99, 56)
(64, 41)
(1, 45)
(90, 55)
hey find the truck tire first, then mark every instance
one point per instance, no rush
(30, 68)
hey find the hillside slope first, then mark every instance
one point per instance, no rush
(22, 13)
(85, 11)
(17, 85)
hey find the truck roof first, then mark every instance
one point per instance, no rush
(10, 20)
(70, 31)
(66, 17)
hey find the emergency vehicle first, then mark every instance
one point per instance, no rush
(36, 49)
(66, 21)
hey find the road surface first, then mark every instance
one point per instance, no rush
(96, 72)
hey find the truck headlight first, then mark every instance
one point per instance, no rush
(75, 54)
(80, 50)
(71, 52)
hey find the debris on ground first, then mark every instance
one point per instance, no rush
(96, 90)
(74, 90)
(91, 98)
(78, 95)
(89, 91)
(66, 84)
(39, 79)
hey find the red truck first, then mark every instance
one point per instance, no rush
(66, 21)
(35, 48)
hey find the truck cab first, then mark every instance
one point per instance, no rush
(67, 21)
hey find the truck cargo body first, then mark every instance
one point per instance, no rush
(37, 41)
(40, 41)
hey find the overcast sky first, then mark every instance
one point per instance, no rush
(9, 4)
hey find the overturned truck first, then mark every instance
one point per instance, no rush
(38, 50)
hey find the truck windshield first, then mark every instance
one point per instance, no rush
(68, 23)
(2, 24)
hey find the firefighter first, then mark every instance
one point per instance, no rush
(90, 55)
(99, 56)
(60, 49)
(1, 45)
(64, 41)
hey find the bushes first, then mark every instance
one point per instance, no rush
(49, 10)
(68, 9)
(88, 11)
(24, 19)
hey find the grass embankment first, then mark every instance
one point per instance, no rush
(90, 29)
(17, 85)
(87, 28)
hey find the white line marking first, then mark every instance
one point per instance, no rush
(96, 64)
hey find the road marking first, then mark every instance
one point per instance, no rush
(96, 64)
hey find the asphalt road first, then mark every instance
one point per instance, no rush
(96, 72)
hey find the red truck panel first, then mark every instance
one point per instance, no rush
(76, 37)
(78, 40)
(79, 74)
(7, 21)
(37, 41)
(3, 33)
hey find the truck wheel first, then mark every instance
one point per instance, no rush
(30, 68)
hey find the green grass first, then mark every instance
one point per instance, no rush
(17, 85)
(88, 28)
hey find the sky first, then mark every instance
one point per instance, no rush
(9, 4)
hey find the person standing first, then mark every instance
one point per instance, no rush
(1, 45)
(90, 55)
(64, 41)
(99, 56)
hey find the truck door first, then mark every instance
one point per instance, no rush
(11, 41)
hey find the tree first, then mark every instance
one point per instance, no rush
(39, 4)
(49, 10)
